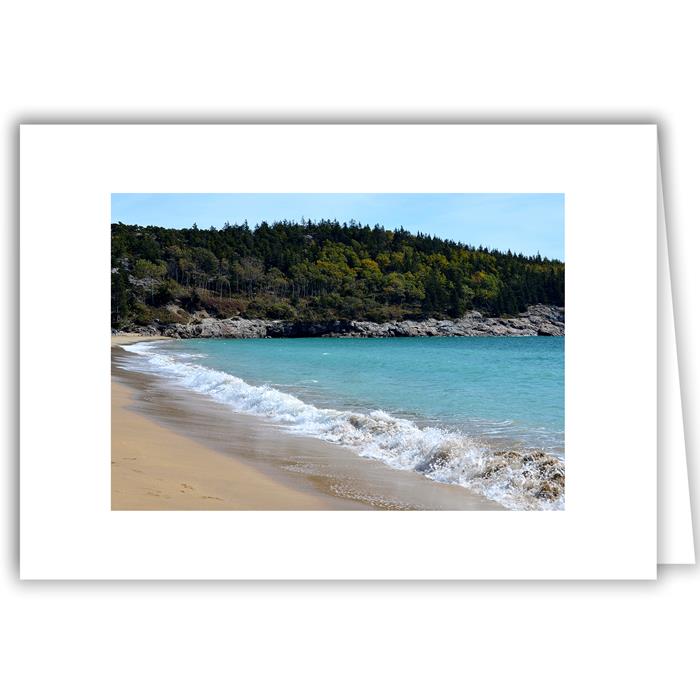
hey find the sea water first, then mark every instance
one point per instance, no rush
(486, 413)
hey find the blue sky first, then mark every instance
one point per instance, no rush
(523, 223)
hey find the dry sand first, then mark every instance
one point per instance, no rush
(127, 338)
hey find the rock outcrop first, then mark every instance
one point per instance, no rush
(537, 320)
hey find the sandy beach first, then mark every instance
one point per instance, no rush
(172, 450)
(154, 468)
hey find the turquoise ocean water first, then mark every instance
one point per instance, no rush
(441, 406)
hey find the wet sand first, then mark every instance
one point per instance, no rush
(176, 450)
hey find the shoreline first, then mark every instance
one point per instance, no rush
(174, 450)
(155, 468)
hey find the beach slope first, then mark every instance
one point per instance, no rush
(154, 468)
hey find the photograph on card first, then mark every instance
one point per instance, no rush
(337, 351)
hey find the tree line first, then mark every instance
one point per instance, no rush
(314, 270)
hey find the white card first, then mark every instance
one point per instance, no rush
(608, 528)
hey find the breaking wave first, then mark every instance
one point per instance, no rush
(519, 480)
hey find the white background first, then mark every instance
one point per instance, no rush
(498, 61)
(68, 174)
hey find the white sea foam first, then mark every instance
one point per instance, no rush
(517, 480)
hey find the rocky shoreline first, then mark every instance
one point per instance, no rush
(537, 320)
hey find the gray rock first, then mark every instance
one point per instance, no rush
(550, 329)
(537, 320)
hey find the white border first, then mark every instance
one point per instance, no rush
(608, 174)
